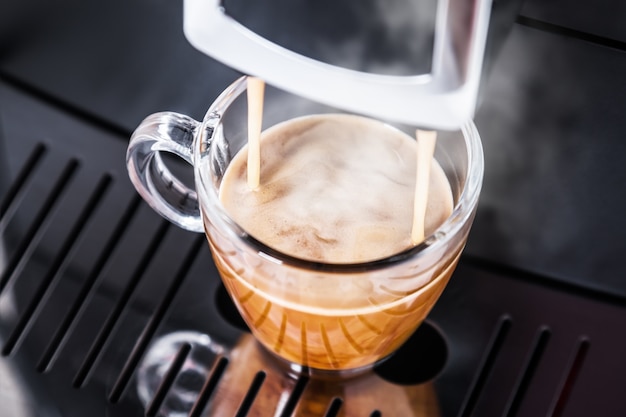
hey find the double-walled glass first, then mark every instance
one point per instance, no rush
(317, 315)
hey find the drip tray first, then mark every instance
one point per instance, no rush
(106, 309)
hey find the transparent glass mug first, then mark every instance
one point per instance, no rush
(334, 317)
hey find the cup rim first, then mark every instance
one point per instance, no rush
(461, 213)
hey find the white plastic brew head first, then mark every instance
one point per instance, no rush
(444, 99)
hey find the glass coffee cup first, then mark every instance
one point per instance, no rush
(335, 317)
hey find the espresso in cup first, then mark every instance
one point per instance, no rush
(321, 256)
(335, 189)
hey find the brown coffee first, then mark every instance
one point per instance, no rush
(335, 189)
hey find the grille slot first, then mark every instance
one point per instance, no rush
(294, 397)
(251, 394)
(32, 236)
(17, 186)
(497, 340)
(209, 387)
(334, 407)
(570, 377)
(529, 370)
(168, 380)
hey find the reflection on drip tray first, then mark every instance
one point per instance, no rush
(189, 374)
(172, 373)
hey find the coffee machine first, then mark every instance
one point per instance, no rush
(442, 98)
(529, 325)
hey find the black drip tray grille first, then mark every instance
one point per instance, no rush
(106, 309)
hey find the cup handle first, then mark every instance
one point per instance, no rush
(166, 194)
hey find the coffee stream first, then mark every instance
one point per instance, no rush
(256, 88)
(425, 150)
